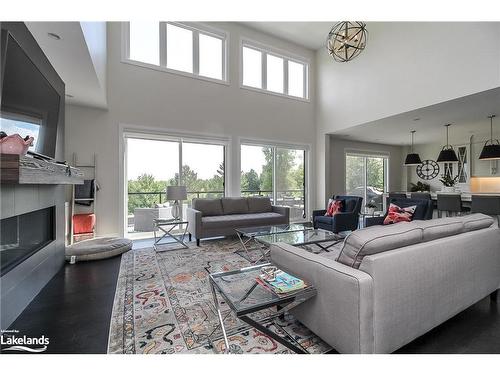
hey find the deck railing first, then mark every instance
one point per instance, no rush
(291, 197)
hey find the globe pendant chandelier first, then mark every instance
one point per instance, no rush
(346, 40)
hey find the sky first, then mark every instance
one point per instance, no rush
(161, 158)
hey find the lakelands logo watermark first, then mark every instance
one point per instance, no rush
(12, 341)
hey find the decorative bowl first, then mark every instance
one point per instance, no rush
(15, 144)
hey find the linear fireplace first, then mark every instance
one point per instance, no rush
(23, 235)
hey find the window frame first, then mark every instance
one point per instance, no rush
(366, 155)
(304, 147)
(197, 29)
(286, 56)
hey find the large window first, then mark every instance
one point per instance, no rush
(274, 72)
(182, 48)
(154, 164)
(366, 176)
(277, 173)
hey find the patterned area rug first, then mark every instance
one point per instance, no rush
(163, 304)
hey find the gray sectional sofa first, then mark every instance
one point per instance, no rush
(391, 284)
(220, 217)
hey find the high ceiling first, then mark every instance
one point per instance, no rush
(311, 35)
(78, 57)
(468, 116)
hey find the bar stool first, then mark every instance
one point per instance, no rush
(394, 195)
(418, 195)
(451, 203)
(488, 205)
(397, 195)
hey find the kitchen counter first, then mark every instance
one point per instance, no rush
(466, 196)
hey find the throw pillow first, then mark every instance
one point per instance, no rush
(397, 214)
(334, 207)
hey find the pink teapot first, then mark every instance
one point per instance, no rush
(14, 144)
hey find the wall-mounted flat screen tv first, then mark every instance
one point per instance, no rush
(29, 104)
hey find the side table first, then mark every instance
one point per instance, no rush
(166, 226)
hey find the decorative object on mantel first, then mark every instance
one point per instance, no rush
(448, 182)
(14, 144)
(176, 194)
(412, 158)
(419, 187)
(346, 40)
(428, 170)
(447, 154)
(491, 151)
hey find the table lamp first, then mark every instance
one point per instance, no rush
(176, 194)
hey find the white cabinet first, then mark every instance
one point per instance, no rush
(482, 168)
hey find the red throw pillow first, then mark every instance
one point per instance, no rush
(396, 214)
(334, 207)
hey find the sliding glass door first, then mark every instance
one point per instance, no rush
(154, 164)
(366, 176)
(275, 172)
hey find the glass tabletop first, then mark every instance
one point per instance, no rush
(303, 237)
(169, 221)
(273, 229)
(244, 294)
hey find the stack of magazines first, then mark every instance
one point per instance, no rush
(283, 282)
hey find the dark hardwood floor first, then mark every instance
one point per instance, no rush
(74, 311)
(74, 308)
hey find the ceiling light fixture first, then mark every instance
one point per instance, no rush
(346, 40)
(412, 158)
(54, 36)
(447, 154)
(491, 151)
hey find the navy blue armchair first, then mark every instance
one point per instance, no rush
(424, 210)
(347, 220)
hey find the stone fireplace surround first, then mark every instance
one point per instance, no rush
(23, 282)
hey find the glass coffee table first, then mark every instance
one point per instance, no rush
(321, 238)
(244, 295)
(248, 236)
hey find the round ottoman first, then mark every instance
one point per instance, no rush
(97, 248)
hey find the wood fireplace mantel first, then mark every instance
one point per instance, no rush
(16, 169)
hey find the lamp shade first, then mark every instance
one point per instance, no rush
(490, 152)
(176, 193)
(447, 155)
(413, 159)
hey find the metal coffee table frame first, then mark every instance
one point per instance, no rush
(283, 304)
(339, 237)
(167, 226)
(249, 235)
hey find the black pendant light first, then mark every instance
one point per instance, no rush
(412, 158)
(490, 151)
(447, 154)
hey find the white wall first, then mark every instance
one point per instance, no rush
(405, 66)
(163, 101)
(335, 178)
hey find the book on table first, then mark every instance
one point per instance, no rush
(285, 283)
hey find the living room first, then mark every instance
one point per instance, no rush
(240, 186)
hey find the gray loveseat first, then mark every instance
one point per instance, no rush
(220, 217)
(391, 284)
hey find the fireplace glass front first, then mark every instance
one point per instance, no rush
(22, 236)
